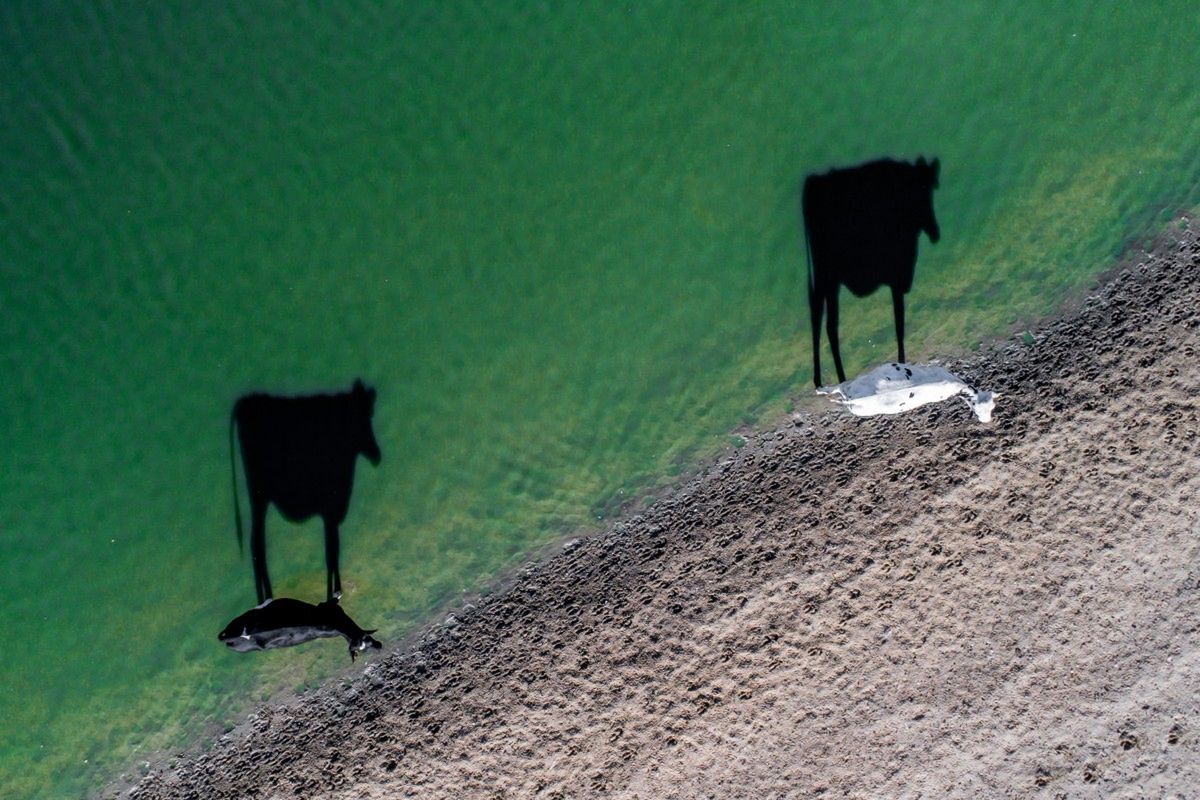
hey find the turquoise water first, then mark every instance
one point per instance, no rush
(561, 240)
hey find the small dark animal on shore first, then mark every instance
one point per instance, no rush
(861, 226)
(299, 453)
(285, 622)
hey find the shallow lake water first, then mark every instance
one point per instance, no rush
(561, 240)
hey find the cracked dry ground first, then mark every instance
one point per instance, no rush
(919, 606)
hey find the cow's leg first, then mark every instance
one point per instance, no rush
(814, 312)
(898, 308)
(258, 547)
(333, 578)
(831, 327)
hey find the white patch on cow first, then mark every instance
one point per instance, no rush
(279, 637)
(895, 388)
(290, 637)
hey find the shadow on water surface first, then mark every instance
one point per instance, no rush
(861, 227)
(299, 453)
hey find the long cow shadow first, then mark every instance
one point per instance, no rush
(299, 453)
(861, 226)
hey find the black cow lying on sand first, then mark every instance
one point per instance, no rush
(285, 622)
(299, 453)
(861, 225)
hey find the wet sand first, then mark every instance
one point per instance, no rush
(913, 606)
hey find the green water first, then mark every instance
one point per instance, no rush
(561, 239)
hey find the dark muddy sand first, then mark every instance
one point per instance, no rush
(914, 606)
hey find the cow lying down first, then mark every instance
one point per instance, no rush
(895, 388)
(284, 622)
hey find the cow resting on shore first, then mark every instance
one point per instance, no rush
(285, 622)
(896, 388)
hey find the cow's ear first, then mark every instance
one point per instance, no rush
(358, 386)
(921, 162)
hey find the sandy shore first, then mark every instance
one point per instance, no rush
(916, 606)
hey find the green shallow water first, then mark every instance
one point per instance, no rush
(561, 240)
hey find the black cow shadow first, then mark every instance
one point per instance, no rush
(861, 227)
(299, 453)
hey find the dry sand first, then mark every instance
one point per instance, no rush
(915, 606)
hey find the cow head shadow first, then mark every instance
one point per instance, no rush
(861, 227)
(299, 454)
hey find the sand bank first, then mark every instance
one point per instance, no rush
(910, 606)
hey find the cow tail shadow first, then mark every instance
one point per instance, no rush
(237, 506)
(814, 300)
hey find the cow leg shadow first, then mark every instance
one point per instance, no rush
(816, 300)
(333, 576)
(831, 327)
(898, 309)
(258, 547)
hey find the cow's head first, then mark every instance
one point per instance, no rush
(927, 181)
(363, 400)
(363, 643)
(337, 619)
